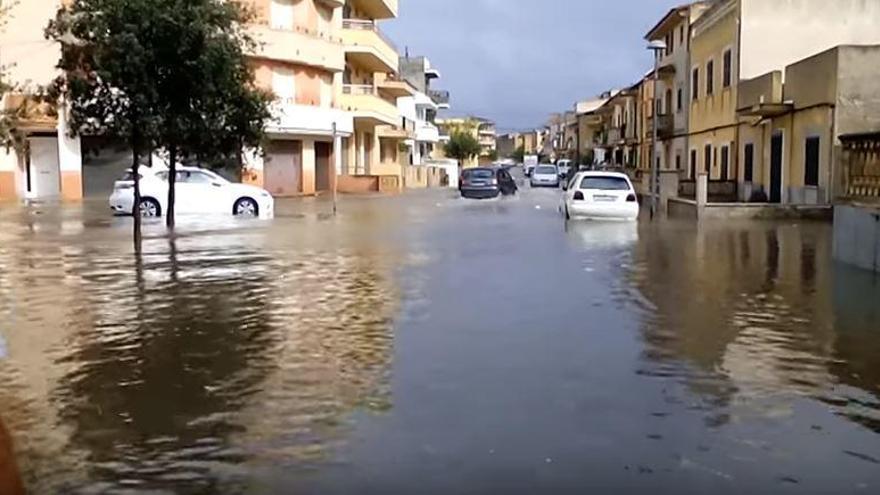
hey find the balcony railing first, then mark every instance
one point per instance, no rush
(359, 89)
(439, 97)
(367, 25)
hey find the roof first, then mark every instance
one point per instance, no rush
(589, 106)
(664, 24)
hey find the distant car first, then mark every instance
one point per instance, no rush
(198, 191)
(545, 176)
(486, 183)
(529, 168)
(601, 195)
(564, 166)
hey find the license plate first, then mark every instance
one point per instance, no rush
(604, 199)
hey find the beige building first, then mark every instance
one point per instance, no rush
(589, 128)
(483, 130)
(739, 40)
(673, 91)
(48, 163)
(619, 139)
(790, 132)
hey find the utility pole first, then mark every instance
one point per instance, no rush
(657, 47)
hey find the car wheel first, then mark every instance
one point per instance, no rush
(149, 208)
(245, 207)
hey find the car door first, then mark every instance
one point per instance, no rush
(505, 182)
(199, 192)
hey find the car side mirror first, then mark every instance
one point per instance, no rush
(216, 184)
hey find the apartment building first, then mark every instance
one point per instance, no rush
(487, 135)
(426, 103)
(735, 41)
(673, 85)
(48, 164)
(300, 58)
(619, 140)
(371, 87)
(483, 130)
(589, 127)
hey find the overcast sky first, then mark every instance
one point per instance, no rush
(516, 61)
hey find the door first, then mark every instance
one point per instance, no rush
(323, 166)
(42, 173)
(283, 168)
(776, 143)
(198, 192)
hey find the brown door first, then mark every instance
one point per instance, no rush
(283, 168)
(323, 166)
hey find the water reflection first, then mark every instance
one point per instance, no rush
(746, 319)
(218, 349)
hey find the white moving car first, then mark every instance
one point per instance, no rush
(545, 175)
(197, 191)
(563, 166)
(601, 196)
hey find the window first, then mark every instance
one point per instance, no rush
(281, 14)
(284, 83)
(678, 161)
(326, 91)
(187, 177)
(710, 77)
(605, 183)
(695, 87)
(811, 165)
(680, 100)
(749, 172)
(668, 102)
(707, 157)
(694, 164)
(725, 162)
(728, 68)
(681, 35)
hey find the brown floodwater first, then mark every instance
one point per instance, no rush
(427, 344)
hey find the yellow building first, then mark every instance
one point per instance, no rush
(370, 90)
(483, 130)
(735, 41)
(619, 139)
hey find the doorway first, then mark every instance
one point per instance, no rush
(776, 143)
(42, 170)
(283, 168)
(323, 166)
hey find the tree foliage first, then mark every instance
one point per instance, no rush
(162, 74)
(462, 146)
(519, 154)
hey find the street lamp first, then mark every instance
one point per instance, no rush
(657, 47)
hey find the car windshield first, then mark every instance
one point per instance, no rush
(605, 183)
(482, 173)
(546, 170)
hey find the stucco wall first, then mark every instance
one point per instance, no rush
(857, 236)
(25, 55)
(812, 81)
(776, 33)
(858, 102)
(713, 35)
(308, 81)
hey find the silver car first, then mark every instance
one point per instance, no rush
(545, 176)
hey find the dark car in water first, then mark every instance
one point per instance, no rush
(486, 183)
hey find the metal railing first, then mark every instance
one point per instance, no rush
(439, 97)
(368, 25)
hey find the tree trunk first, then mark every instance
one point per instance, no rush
(136, 210)
(172, 180)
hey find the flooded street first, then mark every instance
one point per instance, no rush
(428, 344)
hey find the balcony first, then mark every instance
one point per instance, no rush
(427, 132)
(364, 102)
(376, 9)
(666, 68)
(299, 46)
(441, 98)
(291, 118)
(332, 3)
(391, 87)
(367, 46)
(406, 129)
(665, 126)
(761, 96)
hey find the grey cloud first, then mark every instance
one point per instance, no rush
(515, 61)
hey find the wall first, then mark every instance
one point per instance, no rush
(779, 32)
(25, 55)
(353, 184)
(857, 236)
(308, 14)
(713, 34)
(308, 82)
(858, 98)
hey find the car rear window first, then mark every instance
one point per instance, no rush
(605, 183)
(546, 170)
(479, 174)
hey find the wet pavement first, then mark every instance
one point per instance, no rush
(428, 344)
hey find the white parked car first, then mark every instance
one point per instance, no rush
(602, 196)
(545, 175)
(197, 191)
